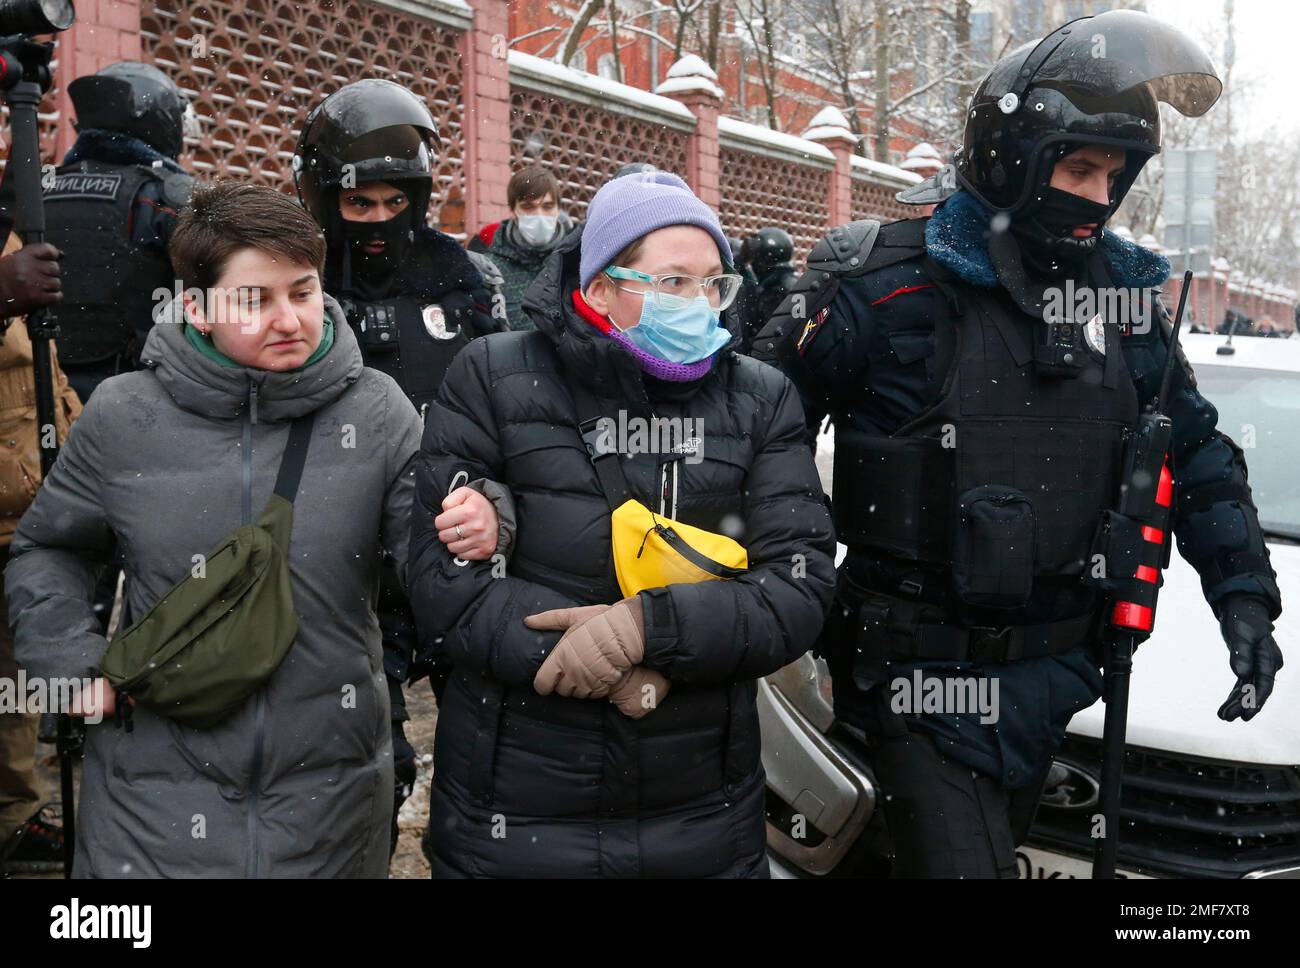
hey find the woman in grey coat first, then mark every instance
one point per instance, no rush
(166, 462)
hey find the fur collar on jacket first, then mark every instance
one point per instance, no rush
(956, 237)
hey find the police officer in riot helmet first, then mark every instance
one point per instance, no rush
(737, 245)
(364, 169)
(745, 309)
(110, 209)
(981, 415)
(770, 253)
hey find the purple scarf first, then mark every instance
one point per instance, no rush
(657, 368)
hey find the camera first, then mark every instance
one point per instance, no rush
(31, 17)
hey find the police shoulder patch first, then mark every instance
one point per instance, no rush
(811, 328)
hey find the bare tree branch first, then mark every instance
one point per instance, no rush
(611, 10)
(579, 27)
(549, 28)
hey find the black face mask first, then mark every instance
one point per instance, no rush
(378, 269)
(1045, 227)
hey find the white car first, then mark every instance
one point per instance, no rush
(1201, 797)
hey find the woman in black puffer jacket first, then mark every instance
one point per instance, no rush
(549, 761)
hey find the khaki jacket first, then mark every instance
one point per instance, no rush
(20, 455)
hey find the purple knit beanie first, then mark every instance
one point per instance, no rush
(627, 208)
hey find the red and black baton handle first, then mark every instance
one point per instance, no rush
(1146, 501)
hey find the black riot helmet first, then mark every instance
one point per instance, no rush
(135, 99)
(367, 131)
(769, 247)
(1096, 80)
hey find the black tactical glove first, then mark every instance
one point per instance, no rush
(1254, 656)
(29, 279)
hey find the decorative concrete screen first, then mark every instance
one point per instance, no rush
(585, 128)
(264, 64)
(874, 200)
(769, 178)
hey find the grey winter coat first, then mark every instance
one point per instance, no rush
(166, 461)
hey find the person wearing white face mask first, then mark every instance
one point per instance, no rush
(523, 241)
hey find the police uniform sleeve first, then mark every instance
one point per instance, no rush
(396, 624)
(1215, 521)
(481, 292)
(157, 210)
(817, 334)
(489, 298)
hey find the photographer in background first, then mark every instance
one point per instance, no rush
(30, 840)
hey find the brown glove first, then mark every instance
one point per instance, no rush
(600, 644)
(639, 692)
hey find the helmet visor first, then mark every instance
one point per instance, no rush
(1107, 55)
(366, 108)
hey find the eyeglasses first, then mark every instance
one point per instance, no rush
(675, 290)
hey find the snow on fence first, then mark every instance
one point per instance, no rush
(873, 189)
(771, 178)
(584, 128)
(253, 69)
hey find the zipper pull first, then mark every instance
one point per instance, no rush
(252, 401)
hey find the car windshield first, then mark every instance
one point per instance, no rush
(1260, 410)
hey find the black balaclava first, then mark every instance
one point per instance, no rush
(371, 275)
(1048, 245)
(1044, 227)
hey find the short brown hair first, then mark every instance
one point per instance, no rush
(226, 216)
(529, 183)
(629, 254)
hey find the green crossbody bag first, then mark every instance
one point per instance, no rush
(212, 641)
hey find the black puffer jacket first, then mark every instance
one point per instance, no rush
(527, 785)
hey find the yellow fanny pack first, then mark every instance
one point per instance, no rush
(650, 550)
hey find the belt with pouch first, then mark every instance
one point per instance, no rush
(894, 629)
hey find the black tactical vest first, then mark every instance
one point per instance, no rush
(109, 286)
(1004, 477)
(412, 340)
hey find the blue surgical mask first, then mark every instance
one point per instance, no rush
(686, 334)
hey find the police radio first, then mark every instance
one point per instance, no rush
(1134, 546)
